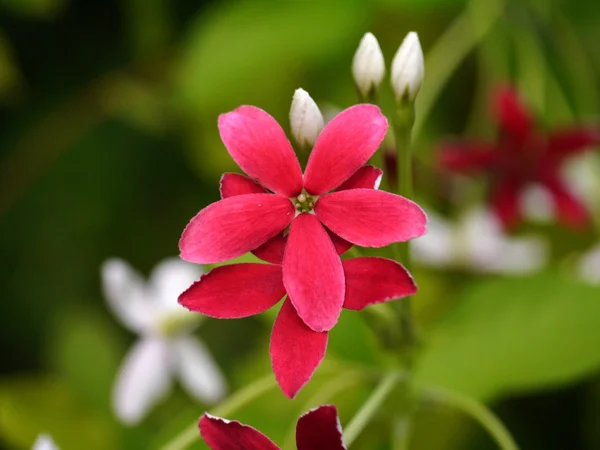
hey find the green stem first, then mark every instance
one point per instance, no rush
(478, 411)
(403, 125)
(236, 401)
(370, 407)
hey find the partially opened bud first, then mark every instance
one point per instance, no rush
(368, 66)
(408, 68)
(306, 119)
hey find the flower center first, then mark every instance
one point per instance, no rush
(304, 202)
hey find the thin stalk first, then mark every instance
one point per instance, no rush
(236, 401)
(358, 423)
(478, 411)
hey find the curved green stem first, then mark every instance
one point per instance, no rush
(236, 401)
(478, 411)
(370, 407)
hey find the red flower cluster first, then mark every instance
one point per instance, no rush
(334, 206)
(318, 429)
(523, 155)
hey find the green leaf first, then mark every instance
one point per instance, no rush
(512, 335)
(34, 8)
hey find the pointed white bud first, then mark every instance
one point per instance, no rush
(408, 68)
(368, 66)
(306, 119)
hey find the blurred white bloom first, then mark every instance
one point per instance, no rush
(165, 348)
(368, 65)
(306, 119)
(44, 442)
(408, 68)
(537, 203)
(477, 243)
(589, 266)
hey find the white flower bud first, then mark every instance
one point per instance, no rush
(408, 68)
(306, 119)
(368, 66)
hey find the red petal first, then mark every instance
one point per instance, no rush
(296, 350)
(258, 145)
(367, 177)
(372, 280)
(221, 434)
(341, 245)
(233, 184)
(512, 115)
(272, 250)
(371, 218)
(506, 205)
(320, 429)
(466, 157)
(344, 145)
(569, 210)
(569, 141)
(238, 290)
(234, 226)
(312, 273)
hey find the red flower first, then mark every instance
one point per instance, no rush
(318, 429)
(521, 156)
(242, 290)
(312, 270)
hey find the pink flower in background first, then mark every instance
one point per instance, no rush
(522, 156)
(320, 220)
(242, 290)
(318, 429)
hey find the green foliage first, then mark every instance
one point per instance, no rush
(515, 335)
(34, 8)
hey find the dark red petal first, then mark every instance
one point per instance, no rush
(234, 226)
(569, 209)
(296, 350)
(569, 141)
(221, 434)
(238, 290)
(320, 429)
(233, 184)
(345, 144)
(272, 250)
(367, 177)
(312, 273)
(371, 218)
(466, 157)
(372, 280)
(506, 205)
(341, 245)
(512, 115)
(258, 145)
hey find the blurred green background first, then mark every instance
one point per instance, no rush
(109, 145)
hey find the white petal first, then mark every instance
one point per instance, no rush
(435, 248)
(582, 174)
(44, 442)
(408, 68)
(170, 278)
(198, 371)
(589, 266)
(305, 118)
(125, 294)
(537, 203)
(368, 65)
(143, 379)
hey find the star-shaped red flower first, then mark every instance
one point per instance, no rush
(523, 155)
(242, 290)
(318, 429)
(313, 275)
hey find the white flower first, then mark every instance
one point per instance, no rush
(368, 65)
(477, 243)
(589, 266)
(306, 119)
(165, 348)
(408, 68)
(44, 442)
